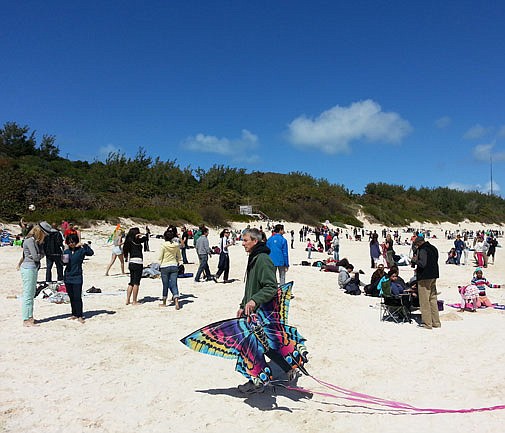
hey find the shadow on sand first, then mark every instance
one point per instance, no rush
(87, 315)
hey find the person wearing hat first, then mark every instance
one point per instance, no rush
(427, 274)
(33, 252)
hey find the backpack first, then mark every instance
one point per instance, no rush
(53, 244)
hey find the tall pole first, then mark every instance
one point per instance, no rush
(491, 166)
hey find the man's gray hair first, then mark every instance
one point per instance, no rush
(254, 234)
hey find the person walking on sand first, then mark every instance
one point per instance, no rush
(427, 273)
(33, 252)
(132, 251)
(493, 243)
(170, 257)
(279, 252)
(117, 250)
(73, 258)
(203, 250)
(224, 256)
(260, 285)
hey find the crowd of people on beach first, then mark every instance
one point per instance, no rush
(62, 248)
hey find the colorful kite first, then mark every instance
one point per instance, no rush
(114, 234)
(249, 339)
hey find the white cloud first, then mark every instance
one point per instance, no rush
(238, 149)
(443, 122)
(476, 132)
(486, 188)
(463, 187)
(333, 130)
(104, 151)
(484, 152)
(501, 132)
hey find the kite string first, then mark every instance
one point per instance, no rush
(369, 399)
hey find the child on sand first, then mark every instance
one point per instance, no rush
(469, 294)
(482, 283)
(309, 248)
(73, 258)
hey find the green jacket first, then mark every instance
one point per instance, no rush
(261, 284)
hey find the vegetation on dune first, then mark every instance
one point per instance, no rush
(162, 192)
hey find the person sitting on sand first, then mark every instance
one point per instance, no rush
(482, 283)
(332, 266)
(469, 295)
(396, 289)
(349, 284)
(371, 289)
(452, 256)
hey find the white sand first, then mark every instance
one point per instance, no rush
(125, 370)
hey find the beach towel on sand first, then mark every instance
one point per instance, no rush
(495, 306)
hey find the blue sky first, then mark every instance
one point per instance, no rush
(403, 92)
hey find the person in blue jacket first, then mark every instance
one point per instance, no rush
(459, 246)
(73, 258)
(279, 252)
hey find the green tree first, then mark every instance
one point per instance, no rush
(47, 149)
(15, 141)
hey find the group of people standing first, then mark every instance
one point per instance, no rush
(483, 246)
(425, 259)
(43, 240)
(204, 251)
(172, 255)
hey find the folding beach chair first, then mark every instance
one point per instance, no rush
(394, 308)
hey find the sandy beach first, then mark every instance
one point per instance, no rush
(125, 370)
